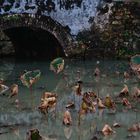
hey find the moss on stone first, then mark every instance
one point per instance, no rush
(1, 2)
(12, 17)
(7, 8)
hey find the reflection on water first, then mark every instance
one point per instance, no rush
(6, 68)
(16, 121)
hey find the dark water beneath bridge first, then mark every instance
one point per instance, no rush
(17, 121)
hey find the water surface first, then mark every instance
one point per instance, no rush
(16, 121)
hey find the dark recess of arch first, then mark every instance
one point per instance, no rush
(41, 27)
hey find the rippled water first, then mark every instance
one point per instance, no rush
(15, 122)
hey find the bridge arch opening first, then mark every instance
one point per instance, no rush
(34, 43)
(36, 36)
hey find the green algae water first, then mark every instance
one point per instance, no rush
(15, 121)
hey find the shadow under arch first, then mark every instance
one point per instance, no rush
(42, 27)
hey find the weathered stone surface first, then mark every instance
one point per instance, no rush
(119, 37)
(72, 13)
(115, 30)
(6, 47)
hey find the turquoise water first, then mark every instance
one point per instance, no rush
(16, 121)
(136, 59)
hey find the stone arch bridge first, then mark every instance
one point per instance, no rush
(13, 24)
